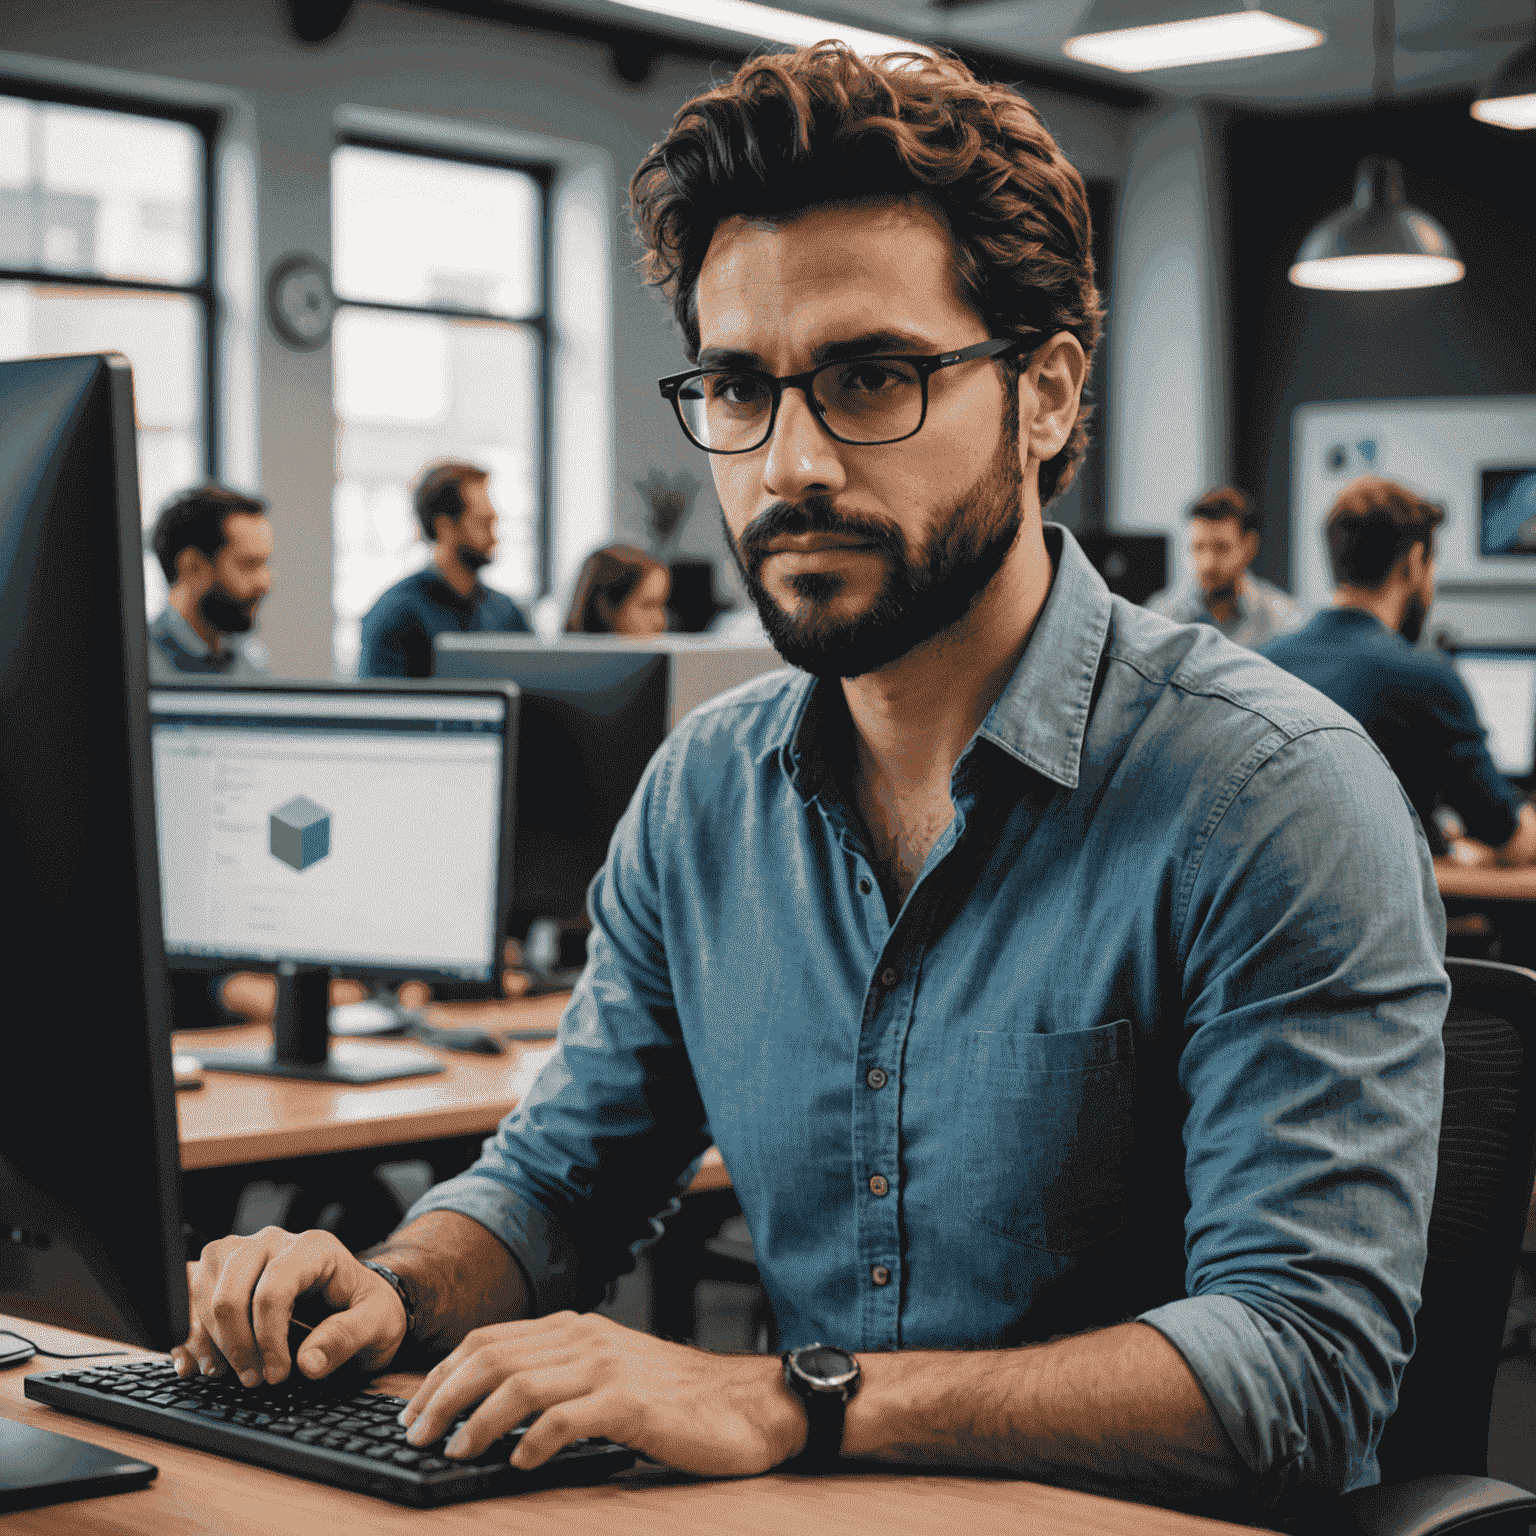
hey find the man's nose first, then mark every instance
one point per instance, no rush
(803, 459)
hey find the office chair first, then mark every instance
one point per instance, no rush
(1434, 1450)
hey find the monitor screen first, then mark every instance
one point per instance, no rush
(1503, 686)
(359, 828)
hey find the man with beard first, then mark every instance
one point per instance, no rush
(1223, 541)
(998, 948)
(1361, 653)
(214, 545)
(453, 506)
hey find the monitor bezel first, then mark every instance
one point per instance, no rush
(372, 970)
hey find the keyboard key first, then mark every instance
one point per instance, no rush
(433, 1464)
(379, 1452)
(406, 1457)
(357, 1445)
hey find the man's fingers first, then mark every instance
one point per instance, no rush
(574, 1419)
(529, 1391)
(370, 1330)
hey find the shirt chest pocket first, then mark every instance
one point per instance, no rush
(1048, 1129)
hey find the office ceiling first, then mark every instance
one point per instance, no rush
(1442, 45)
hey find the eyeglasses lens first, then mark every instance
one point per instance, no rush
(863, 400)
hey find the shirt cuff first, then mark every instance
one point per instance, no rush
(1228, 1347)
(539, 1244)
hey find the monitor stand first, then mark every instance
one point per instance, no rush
(301, 1037)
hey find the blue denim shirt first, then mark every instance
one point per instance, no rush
(1156, 1033)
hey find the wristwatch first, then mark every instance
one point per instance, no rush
(398, 1286)
(826, 1380)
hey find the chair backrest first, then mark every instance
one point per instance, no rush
(1477, 1225)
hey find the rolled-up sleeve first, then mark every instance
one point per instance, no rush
(1311, 937)
(617, 1095)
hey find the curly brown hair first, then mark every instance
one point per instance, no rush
(821, 125)
(1372, 524)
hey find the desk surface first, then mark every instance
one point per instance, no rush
(1459, 880)
(197, 1494)
(236, 1119)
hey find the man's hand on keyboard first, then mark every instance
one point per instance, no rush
(721, 1415)
(243, 1290)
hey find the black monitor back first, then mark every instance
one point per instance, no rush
(1133, 565)
(589, 722)
(90, 1220)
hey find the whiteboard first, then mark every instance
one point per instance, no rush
(1435, 447)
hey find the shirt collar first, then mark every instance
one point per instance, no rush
(1041, 716)
(176, 628)
(451, 595)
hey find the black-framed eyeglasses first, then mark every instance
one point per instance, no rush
(863, 401)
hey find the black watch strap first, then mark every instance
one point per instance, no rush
(824, 1412)
(826, 1408)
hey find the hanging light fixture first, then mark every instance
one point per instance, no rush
(1509, 99)
(1380, 241)
(1116, 35)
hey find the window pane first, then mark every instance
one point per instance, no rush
(408, 229)
(161, 336)
(82, 190)
(410, 389)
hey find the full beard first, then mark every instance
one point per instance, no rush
(925, 591)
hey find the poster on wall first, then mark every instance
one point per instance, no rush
(1476, 457)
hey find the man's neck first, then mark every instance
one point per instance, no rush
(913, 719)
(1387, 603)
(453, 570)
(182, 601)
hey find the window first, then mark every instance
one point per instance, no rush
(104, 246)
(440, 348)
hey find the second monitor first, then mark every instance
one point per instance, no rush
(314, 829)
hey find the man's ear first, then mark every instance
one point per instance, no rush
(443, 528)
(1056, 374)
(193, 567)
(1251, 544)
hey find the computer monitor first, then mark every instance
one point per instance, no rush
(593, 713)
(1502, 682)
(350, 829)
(90, 1197)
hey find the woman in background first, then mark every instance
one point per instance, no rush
(621, 591)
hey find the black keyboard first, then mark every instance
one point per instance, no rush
(328, 1431)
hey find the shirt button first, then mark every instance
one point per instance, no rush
(876, 1077)
(888, 977)
(879, 1185)
(880, 1275)
(865, 887)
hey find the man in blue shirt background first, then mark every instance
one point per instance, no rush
(1361, 653)
(453, 506)
(1025, 954)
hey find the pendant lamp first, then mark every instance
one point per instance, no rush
(1509, 99)
(1380, 241)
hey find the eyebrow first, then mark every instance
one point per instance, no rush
(870, 344)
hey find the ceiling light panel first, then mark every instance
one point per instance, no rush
(1507, 111)
(1202, 40)
(771, 24)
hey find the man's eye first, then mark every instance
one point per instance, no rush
(737, 388)
(871, 378)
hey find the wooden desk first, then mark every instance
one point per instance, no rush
(197, 1494)
(236, 1120)
(1461, 882)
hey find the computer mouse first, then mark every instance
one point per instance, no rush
(466, 1037)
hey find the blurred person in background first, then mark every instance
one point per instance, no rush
(620, 591)
(1361, 654)
(453, 506)
(214, 545)
(1223, 543)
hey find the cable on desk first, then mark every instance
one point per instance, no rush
(48, 1354)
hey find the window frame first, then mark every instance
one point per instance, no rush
(206, 122)
(544, 174)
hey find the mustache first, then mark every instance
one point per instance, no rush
(816, 514)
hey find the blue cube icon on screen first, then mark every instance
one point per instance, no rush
(301, 832)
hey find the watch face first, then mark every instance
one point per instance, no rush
(823, 1363)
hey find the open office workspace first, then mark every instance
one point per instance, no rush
(768, 765)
